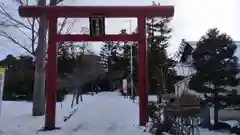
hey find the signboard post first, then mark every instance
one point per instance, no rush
(2, 75)
(124, 83)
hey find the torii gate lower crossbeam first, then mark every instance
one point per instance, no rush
(53, 12)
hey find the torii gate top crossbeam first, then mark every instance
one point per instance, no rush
(104, 11)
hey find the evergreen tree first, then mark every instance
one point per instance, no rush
(66, 63)
(216, 67)
(159, 64)
(109, 57)
(108, 50)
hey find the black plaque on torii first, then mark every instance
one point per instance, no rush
(97, 26)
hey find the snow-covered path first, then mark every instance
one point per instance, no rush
(108, 114)
(104, 114)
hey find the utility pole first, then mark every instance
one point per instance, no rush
(131, 58)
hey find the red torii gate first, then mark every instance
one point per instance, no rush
(54, 12)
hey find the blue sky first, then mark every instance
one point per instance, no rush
(191, 20)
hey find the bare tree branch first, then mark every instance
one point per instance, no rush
(4, 12)
(62, 25)
(19, 2)
(8, 36)
(89, 71)
(69, 28)
(22, 32)
(8, 22)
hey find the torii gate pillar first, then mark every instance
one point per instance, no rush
(54, 12)
(142, 71)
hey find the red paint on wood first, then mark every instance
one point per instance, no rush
(51, 76)
(142, 71)
(97, 38)
(104, 11)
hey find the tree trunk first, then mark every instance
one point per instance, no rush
(216, 105)
(92, 89)
(79, 95)
(40, 73)
(39, 93)
(39, 80)
(81, 98)
(205, 118)
(74, 95)
(97, 89)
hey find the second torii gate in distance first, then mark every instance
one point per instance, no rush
(54, 12)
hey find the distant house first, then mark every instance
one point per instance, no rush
(185, 69)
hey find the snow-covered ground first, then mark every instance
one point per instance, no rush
(104, 114)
